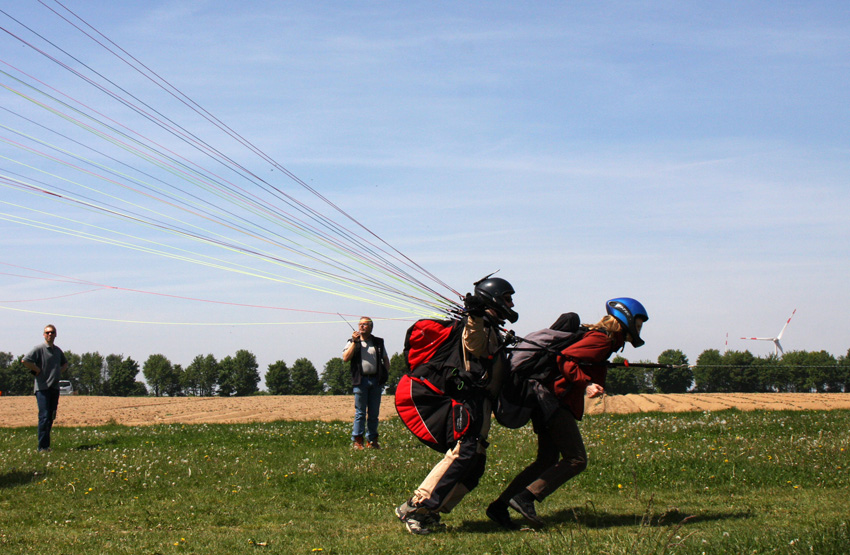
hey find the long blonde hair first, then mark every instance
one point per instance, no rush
(607, 324)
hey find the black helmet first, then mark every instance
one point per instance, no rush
(492, 291)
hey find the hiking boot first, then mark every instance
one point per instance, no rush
(418, 520)
(523, 503)
(418, 524)
(373, 444)
(357, 443)
(404, 509)
(497, 511)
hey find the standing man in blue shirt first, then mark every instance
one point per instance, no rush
(369, 372)
(46, 362)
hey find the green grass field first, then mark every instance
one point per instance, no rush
(722, 482)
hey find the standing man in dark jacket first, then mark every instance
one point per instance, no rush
(369, 372)
(46, 362)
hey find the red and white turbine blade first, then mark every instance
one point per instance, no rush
(786, 324)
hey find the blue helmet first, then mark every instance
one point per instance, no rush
(627, 311)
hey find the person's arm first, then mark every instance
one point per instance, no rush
(476, 337)
(594, 390)
(32, 367)
(582, 362)
(354, 342)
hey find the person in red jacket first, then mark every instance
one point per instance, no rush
(582, 368)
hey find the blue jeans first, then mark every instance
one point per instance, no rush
(48, 402)
(367, 406)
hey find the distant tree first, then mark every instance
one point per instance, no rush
(673, 380)
(397, 369)
(844, 371)
(175, 388)
(159, 373)
(769, 372)
(122, 375)
(70, 373)
(138, 390)
(623, 380)
(277, 378)
(336, 377)
(825, 375)
(110, 367)
(5, 375)
(646, 378)
(708, 374)
(15, 378)
(201, 376)
(246, 373)
(741, 374)
(812, 371)
(89, 374)
(226, 380)
(796, 367)
(304, 378)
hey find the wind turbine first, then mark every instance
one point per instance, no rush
(777, 347)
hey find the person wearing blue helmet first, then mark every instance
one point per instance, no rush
(580, 370)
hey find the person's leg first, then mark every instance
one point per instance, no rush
(418, 518)
(359, 427)
(564, 432)
(547, 456)
(567, 438)
(45, 420)
(426, 489)
(373, 409)
(468, 483)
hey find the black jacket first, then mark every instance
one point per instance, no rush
(357, 367)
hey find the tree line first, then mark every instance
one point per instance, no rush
(238, 375)
(734, 372)
(205, 376)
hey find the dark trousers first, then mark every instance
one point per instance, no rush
(48, 402)
(560, 456)
(462, 467)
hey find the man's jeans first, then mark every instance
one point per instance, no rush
(48, 402)
(367, 405)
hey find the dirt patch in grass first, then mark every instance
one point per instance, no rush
(78, 410)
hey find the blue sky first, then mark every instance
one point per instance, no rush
(691, 155)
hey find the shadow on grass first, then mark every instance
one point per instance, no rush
(17, 478)
(591, 518)
(95, 446)
(586, 517)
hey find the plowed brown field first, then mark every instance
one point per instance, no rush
(77, 410)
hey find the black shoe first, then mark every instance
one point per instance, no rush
(525, 506)
(497, 511)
